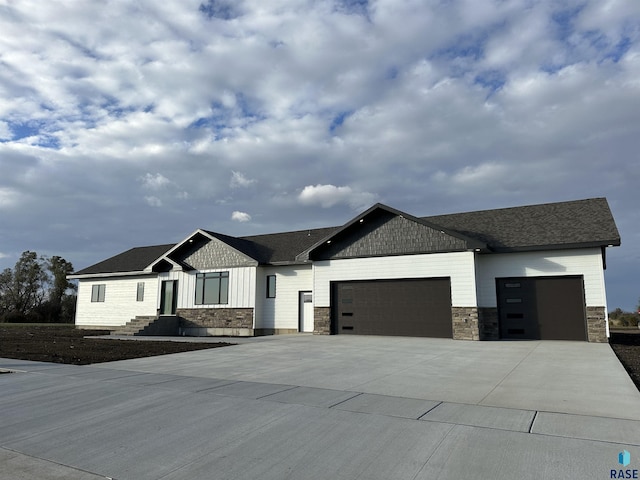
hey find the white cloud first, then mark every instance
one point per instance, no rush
(240, 217)
(239, 180)
(154, 182)
(479, 174)
(475, 179)
(609, 16)
(327, 196)
(153, 201)
(10, 198)
(5, 131)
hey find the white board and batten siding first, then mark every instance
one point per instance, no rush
(282, 312)
(120, 301)
(242, 281)
(459, 266)
(585, 262)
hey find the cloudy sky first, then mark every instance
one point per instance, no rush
(127, 123)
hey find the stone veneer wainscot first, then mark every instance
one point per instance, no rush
(216, 317)
(596, 324)
(465, 323)
(322, 320)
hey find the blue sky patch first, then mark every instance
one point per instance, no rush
(392, 73)
(219, 9)
(116, 110)
(221, 115)
(618, 50)
(357, 7)
(22, 130)
(216, 122)
(459, 56)
(564, 21)
(248, 108)
(338, 120)
(552, 68)
(493, 80)
(465, 46)
(25, 130)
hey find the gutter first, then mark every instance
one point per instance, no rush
(74, 276)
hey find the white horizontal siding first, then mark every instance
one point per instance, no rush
(281, 311)
(119, 304)
(586, 262)
(242, 282)
(459, 266)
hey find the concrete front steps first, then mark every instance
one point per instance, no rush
(149, 325)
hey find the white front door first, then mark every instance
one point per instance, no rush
(306, 311)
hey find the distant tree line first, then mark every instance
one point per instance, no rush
(37, 290)
(625, 319)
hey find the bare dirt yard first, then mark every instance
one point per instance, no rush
(626, 345)
(66, 344)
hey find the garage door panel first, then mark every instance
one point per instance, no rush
(412, 307)
(561, 311)
(518, 315)
(548, 308)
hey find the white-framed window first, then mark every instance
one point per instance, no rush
(140, 292)
(97, 292)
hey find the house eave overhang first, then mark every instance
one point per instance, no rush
(284, 263)
(559, 246)
(110, 274)
(431, 252)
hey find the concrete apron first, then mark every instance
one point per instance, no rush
(326, 407)
(557, 376)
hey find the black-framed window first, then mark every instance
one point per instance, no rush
(212, 288)
(140, 292)
(271, 286)
(97, 292)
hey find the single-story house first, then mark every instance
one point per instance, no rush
(529, 272)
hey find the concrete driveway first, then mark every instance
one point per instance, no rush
(341, 407)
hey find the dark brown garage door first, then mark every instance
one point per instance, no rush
(547, 308)
(411, 307)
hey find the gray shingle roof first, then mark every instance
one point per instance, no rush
(535, 227)
(283, 247)
(134, 260)
(581, 223)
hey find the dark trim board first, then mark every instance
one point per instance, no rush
(408, 307)
(542, 308)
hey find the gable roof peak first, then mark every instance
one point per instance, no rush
(462, 241)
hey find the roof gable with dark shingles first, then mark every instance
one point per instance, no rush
(284, 247)
(133, 260)
(384, 231)
(534, 227)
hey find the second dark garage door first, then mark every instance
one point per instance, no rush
(546, 308)
(410, 307)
